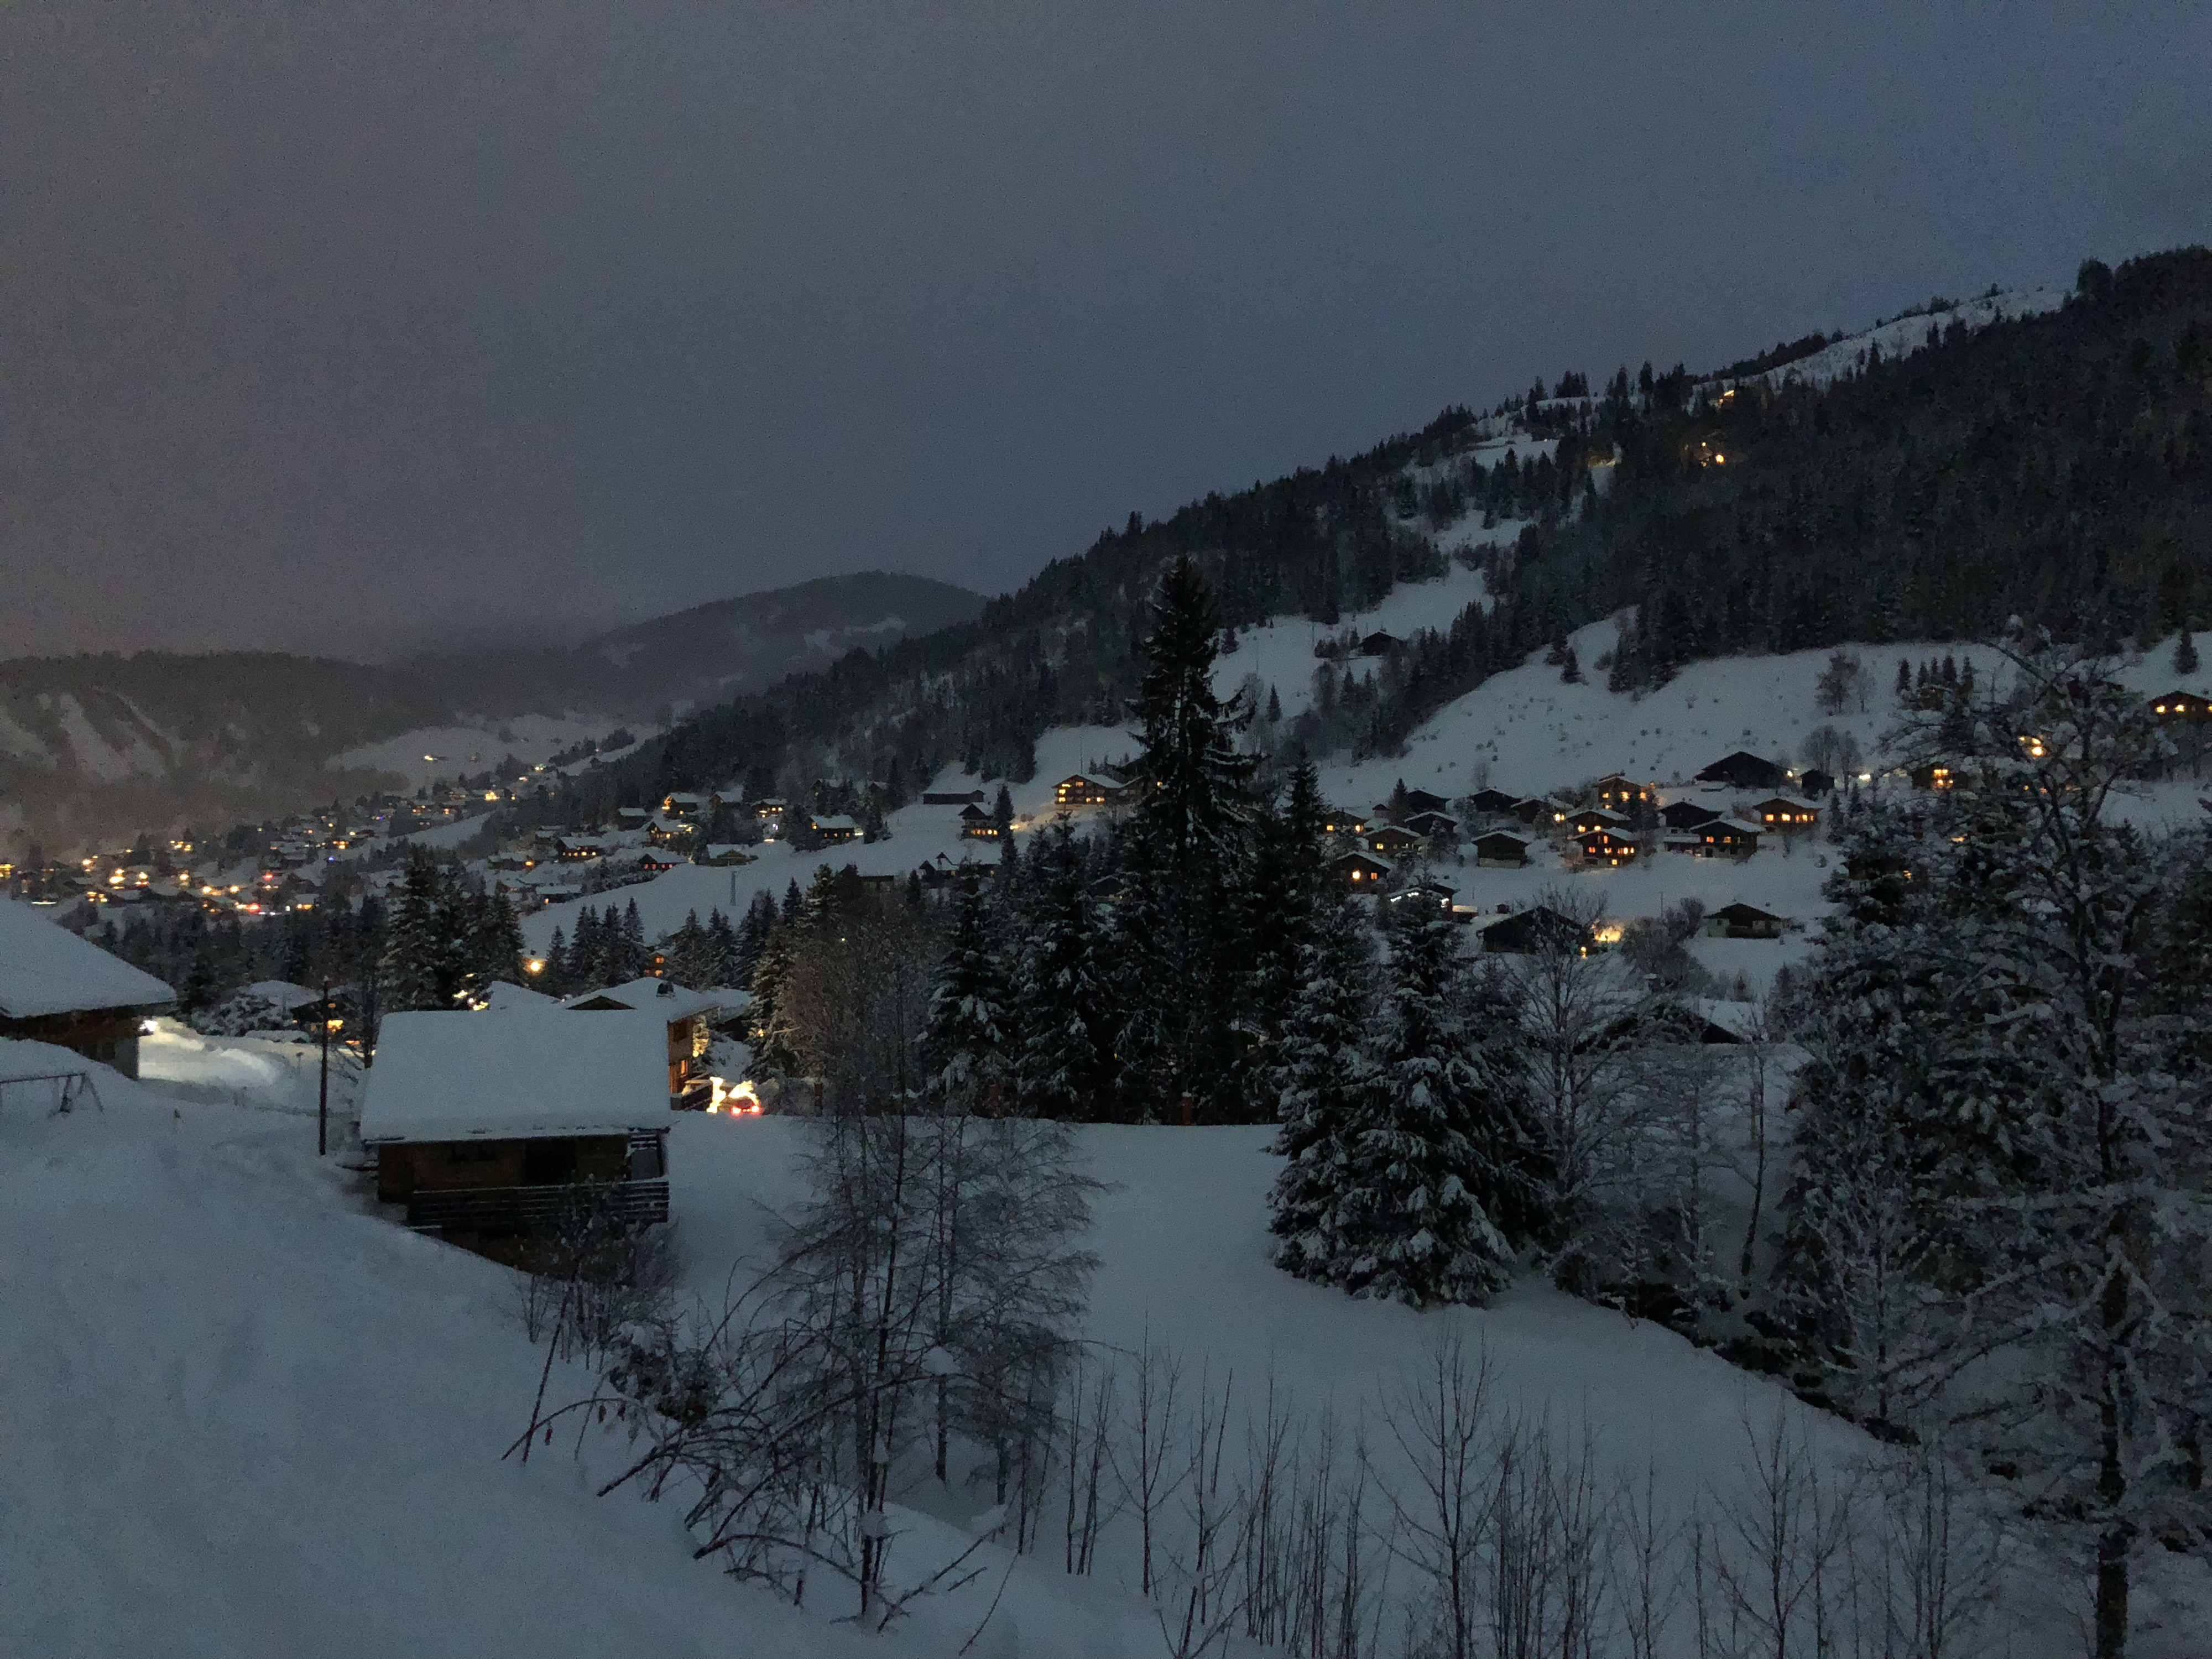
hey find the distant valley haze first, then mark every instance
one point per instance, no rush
(370, 330)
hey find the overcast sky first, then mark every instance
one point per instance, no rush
(358, 321)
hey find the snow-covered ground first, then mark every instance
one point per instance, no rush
(1907, 335)
(248, 1415)
(451, 752)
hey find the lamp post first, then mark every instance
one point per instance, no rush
(323, 1089)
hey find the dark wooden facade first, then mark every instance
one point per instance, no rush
(109, 1036)
(507, 1198)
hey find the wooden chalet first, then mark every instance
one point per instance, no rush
(631, 817)
(834, 828)
(687, 1016)
(1743, 921)
(1379, 644)
(1786, 813)
(500, 1132)
(1812, 783)
(1421, 800)
(1083, 789)
(1611, 848)
(1538, 928)
(1585, 819)
(683, 804)
(976, 825)
(656, 859)
(1433, 826)
(1361, 871)
(1745, 771)
(1728, 838)
(1933, 776)
(952, 797)
(1623, 794)
(723, 852)
(60, 989)
(771, 808)
(1391, 839)
(1493, 803)
(1535, 810)
(1500, 850)
(1333, 822)
(2182, 706)
(1686, 815)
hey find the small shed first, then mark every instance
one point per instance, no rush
(1741, 921)
(1501, 850)
(60, 989)
(498, 1132)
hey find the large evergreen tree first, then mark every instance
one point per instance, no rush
(964, 1043)
(1409, 1212)
(1325, 1076)
(1061, 1064)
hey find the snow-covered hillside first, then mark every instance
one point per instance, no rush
(1904, 335)
(249, 1416)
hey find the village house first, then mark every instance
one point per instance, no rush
(836, 827)
(1082, 789)
(1786, 813)
(771, 808)
(1379, 644)
(1391, 840)
(2182, 706)
(722, 853)
(689, 1016)
(498, 1133)
(1611, 848)
(631, 817)
(1334, 823)
(1499, 850)
(1745, 771)
(950, 797)
(683, 804)
(1492, 803)
(1623, 794)
(1535, 810)
(1812, 783)
(57, 989)
(1433, 826)
(1538, 928)
(1361, 871)
(976, 825)
(1587, 819)
(1686, 815)
(1743, 921)
(1729, 837)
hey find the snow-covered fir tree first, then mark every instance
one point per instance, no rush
(1325, 1074)
(1060, 1061)
(1409, 1214)
(964, 1043)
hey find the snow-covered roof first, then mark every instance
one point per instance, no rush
(834, 821)
(505, 998)
(457, 1076)
(283, 993)
(47, 969)
(666, 998)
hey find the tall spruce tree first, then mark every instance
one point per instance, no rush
(1326, 1077)
(1409, 1212)
(1062, 1060)
(419, 970)
(1276, 922)
(964, 1043)
(1189, 846)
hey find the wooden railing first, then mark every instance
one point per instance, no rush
(539, 1209)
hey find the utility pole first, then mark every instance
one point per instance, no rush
(322, 1091)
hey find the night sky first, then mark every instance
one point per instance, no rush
(356, 325)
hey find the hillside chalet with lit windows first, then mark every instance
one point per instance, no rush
(977, 824)
(687, 1015)
(1623, 794)
(2182, 706)
(1611, 848)
(1787, 813)
(1361, 871)
(1084, 789)
(1728, 838)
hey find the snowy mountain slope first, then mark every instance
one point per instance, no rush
(245, 1420)
(1903, 337)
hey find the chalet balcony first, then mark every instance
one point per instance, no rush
(537, 1210)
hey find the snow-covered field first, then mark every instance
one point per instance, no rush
(450, 751)
(247, 1415)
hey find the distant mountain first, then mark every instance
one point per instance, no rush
(697, 658)
(93, 747)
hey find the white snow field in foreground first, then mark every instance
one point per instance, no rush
(245, 1416)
